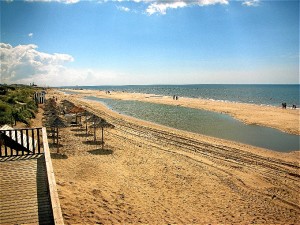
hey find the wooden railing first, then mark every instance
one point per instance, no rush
(32, 141)
(17, 142)
(56, 209)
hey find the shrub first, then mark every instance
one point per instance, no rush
(5, 113)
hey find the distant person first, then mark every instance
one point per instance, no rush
(173, 97)
(294, 107)
(176, 97)
(284, 105)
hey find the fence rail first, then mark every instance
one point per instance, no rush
(17, 142)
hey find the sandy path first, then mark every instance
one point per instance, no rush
(286, 120)
(154, 174)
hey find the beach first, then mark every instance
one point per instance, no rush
(152, 111)
(286, 120)
(149, 173)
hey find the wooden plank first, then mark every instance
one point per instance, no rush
(22, 140)
(16, 135)
(38, 140)
(57, 214)
(27, 140)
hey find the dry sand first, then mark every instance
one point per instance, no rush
(158, 175)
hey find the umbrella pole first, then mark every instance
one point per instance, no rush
(102, 138)
(86, 124)
(57, 141)
(53, 140)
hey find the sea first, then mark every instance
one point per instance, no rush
(206, 122)
(260, 94)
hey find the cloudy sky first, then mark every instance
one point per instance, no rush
(119, 42)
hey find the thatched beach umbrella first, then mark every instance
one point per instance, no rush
(77, 110)
(57, 123)
(95, 123)
(48, 123)
(86, 114)
(101, 123)
(105, 124)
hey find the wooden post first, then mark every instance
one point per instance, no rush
(22, 142)
(57, 140)
(102, 138)
(16, 138)
(86, 128)
(33, 147)
(38, 140)
(53, 131)
(27, 139)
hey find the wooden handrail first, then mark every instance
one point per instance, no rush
(56, 209)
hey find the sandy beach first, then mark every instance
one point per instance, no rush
(286, 120)
(153, 174)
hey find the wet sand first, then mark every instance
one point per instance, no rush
(149, 173)
(286, 120)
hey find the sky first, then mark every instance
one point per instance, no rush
(140, 42)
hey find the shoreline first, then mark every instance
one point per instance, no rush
(285, 120)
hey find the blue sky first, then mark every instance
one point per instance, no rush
(73, 42)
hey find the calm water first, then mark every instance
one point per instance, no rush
(257, 94)
(205, 122)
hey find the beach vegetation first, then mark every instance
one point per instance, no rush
(17, 104)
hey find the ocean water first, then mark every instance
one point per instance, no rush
(256, 94)
(205, 122)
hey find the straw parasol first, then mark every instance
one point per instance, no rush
(77, 110)
(95, 123)
(105, 124)
(101, 123)
(86, 114)
(57, 123)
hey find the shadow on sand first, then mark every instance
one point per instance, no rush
(101, 152)
(92, 142)
(54, 145)
(78, 129)
(58, 156)
(83, 135)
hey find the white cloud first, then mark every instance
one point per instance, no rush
(161, 6)
(122, 8)
(24, 64)
(155, 6)
(30, 34)
(59, 1)
(24, 61)
(251, 3)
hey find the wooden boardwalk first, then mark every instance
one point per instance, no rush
(28, 193)
(24, 191)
